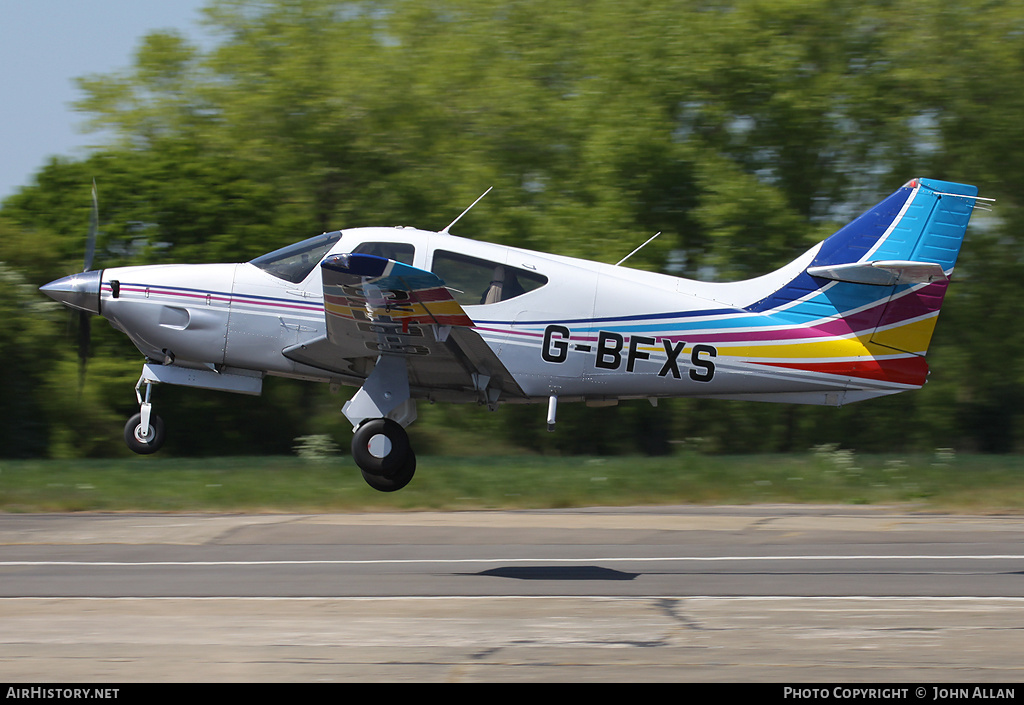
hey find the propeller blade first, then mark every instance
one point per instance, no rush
(85, 317)
(94, 221)
(84, 340)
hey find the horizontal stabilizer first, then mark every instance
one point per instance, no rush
(882, 272)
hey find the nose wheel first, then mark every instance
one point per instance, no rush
(145, 438)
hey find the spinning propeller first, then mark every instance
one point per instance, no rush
(85, 317)
(82, 291)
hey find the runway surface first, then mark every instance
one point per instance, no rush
(785, 594)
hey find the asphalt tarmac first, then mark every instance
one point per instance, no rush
(780, 594)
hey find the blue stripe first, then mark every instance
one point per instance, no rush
(228, 295)
(646, 317)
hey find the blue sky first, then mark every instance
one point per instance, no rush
(44, 46)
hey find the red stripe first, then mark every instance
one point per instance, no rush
(903, 370)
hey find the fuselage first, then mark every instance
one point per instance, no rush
(561, 326)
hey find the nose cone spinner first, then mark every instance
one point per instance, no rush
(78, 291)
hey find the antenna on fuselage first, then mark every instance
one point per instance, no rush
(637, 249)
(445, 231)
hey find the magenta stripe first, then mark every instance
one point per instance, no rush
(220, 299)
(912, 304)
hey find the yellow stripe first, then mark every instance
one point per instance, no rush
(835, 347)
(912, 337)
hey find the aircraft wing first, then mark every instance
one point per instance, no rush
(376, 306)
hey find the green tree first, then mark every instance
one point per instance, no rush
(744, 130)
(26, 345)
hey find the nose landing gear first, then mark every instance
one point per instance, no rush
(144, 433)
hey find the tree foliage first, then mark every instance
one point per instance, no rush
(745, 130)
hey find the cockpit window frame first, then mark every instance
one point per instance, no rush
(293, 263)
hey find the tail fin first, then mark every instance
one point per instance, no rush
(923, 222)
(888, 267)
(881, 280)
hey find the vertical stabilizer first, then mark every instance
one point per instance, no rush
(888, 269)
(871, 293)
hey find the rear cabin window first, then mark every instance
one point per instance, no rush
(398, 251)
(474, 281)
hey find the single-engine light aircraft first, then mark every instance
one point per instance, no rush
(407, 315)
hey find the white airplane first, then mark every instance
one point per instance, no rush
(407, 315)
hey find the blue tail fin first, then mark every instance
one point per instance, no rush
(911, 237)
(862, 306)
(924, 221)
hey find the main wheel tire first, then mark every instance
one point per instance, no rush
(145, 444)
(396, 480)
(380, 447)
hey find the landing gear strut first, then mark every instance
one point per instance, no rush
(144, 433)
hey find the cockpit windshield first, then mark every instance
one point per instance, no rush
(294, 262)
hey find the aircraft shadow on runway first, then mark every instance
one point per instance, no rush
(558, 572)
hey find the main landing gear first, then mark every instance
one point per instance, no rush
(379, 413)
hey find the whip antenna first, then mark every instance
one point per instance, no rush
(637, 249)
(445, 231)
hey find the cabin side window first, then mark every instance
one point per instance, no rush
(397, 251)
(473, 281)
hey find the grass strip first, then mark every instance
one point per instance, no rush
(942, 481)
